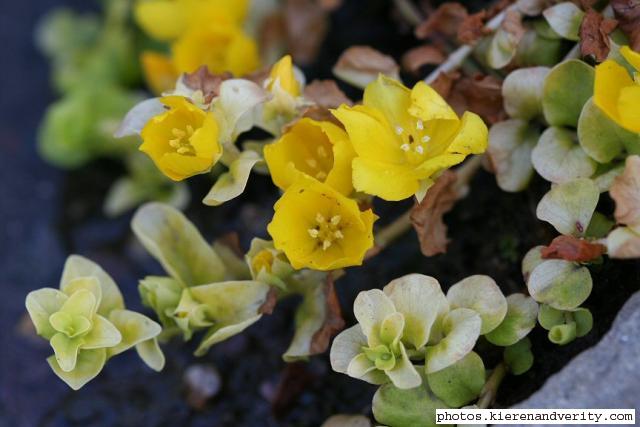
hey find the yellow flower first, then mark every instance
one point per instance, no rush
(319, 228)
(616, 93)
(220, 47)
(282, 75)
(159, 72)
(318, 149)
(169, 19)
(182, 141)
(404, 137)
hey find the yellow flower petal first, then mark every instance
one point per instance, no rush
(319, 228)
(370, 133)
(631, 56)
(385, 180)
(282, 72)
(629, 108)
(472, 136)
(159, 72)
(610, 79)
(161, 19)
(390, 97)
(427, 104)
(439, 163)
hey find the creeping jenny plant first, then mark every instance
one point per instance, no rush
(86, 323)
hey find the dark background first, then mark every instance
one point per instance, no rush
(46, 214)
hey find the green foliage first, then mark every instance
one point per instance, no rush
(86, 323)
(567, 88)
(461, 382)
(519, 357)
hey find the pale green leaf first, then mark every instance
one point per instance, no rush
(103, 334)
(87, 367)
(569, 206)
(41, 304)
(561, 284)
(151, 354)
(66, 350)
(134, 328)
(559, 158)
(482, 295)
(565, 19)
(522, 92)
(370, 308)
(567, 88)
(519, 357)
(461, 328)
(232, 183)
(599, 136)
(522, 312)
(510, 146)
(461, 382)
(404, 375)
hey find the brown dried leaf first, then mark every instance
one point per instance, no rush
(326, 94)
(573, 249)
(628, 14)
(472, 28)
(594, 35)
(307, 24)
(481, 94)
(415, 58)
(202, 79)
(330, 5)
(444, 21)
(443, 84)
(360, 65)
(426, 216)
(625, 191)
(333, 322)
(270, 302)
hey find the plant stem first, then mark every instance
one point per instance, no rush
(402, 224)
(490, 389)
(455, 60)
(409, 12)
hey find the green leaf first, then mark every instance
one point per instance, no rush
(569, 206)
(347, 421)
(87, 367)
(267, 264)
(406, 408)
(584, 321)
(103, 334)
(531, 260)
(232, 184)
(548, 317)
(504, 44)
(404, 375)
(559, 158)
(510, 146)
(461, 329)
(567, 88)
(565, 19)
(563, 334)
(536, 50)
(66, 350)
(519, 357)
(176, 243)
(151, 354)
(162, 294)
(522, 92)
(134, 327)
(482, 295)
(77, 266)
(346, 347)
(41, 304)
(461, 382)
(370, 308)
(235, 107)
(420, 300)
(128, 193)
(599, 136)
(81, 303)
(233, 305)
(561, 284)
(599, 226)
(522, 312)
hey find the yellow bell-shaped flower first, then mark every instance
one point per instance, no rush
(617, 93)
(403, 138)
(182, 141)
(319, 228)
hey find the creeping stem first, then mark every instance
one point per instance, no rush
(490, 389)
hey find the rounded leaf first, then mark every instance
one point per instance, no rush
(482, 295)
(134, 328)
(559, 158)
(519, 357)
(522, 92)
(461, 382)
(563, 334)
(561, 284)
(41, 304)
(569, 206)
(510, 146)
(461, 328)
(565, 19)
(370, 309)
(568, 86)
(531, 260)
(87, 367)
(522, 312)
(584, 321)
(548, 317)
(599, 136)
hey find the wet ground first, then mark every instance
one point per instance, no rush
(46, 214)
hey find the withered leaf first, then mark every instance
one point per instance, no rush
(443, 84)
(625, 191)
(360, 65)
(326, 94)
(307, 24)
(426, 216)
(573, 249)
(481, 94)
(270, 302)
(472, 28)
(415, 58)
(202, 79)
(594, 35)
(627, 13)
(444, 21)
(333, 322)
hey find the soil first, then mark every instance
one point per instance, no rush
(490, 231)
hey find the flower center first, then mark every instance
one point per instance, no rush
(326, 232)
(181, 143)
(262, 260)
(318, 162)
(413, 141)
